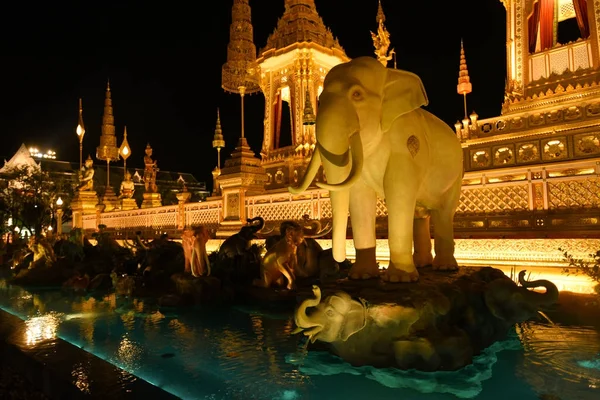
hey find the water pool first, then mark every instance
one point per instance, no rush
(248, 353)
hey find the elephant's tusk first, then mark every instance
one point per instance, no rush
(296, 331)
(356, 152)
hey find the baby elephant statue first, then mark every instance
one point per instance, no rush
(281, 261)
(374, 140)
(358, 333)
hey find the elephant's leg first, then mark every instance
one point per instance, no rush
(422, 243)
(443, 219)
(363, 209)
(401, 201)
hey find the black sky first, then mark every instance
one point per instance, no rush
(164, 62)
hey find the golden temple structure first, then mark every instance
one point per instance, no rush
(532, 174)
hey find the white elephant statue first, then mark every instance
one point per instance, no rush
(374, 139)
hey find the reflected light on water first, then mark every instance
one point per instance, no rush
(128, 353)
(80, 377)
(553, 351)
(41, 328)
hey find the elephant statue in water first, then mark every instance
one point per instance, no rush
(374, 139)
(511, 303)
(239, 243)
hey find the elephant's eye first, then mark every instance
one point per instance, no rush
(329, 313)
(356, 95)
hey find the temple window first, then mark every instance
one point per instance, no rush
(557, 21)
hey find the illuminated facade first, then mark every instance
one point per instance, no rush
(531, 175)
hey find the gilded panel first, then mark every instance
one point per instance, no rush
(504, 155)
(494, 199)
(587, 144)
(583, 193)
(554, 149)
(528, 152)
(480, 158)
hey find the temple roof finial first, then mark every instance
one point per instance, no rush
(464, 86)
(381, 40)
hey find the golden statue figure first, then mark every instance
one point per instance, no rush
(150, 171)
(87, 176)
(127, 187)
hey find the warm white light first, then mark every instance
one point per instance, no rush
(59, 202)
(125, 151)
(79, 130)
(50, 228)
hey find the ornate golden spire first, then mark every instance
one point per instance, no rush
(218, 140)
(380, 14)
(381, 40)
(108, 149)
(240, 72)
(309, 117)
(301, 23)
(464, 86)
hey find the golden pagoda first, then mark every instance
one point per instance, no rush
(293, 65)
(108, 150)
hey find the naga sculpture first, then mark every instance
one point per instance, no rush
(313, 261)
(239, 243)
(43, 253)
(280, 262)
(421, 331)
(374, 140)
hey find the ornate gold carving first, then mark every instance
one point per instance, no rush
(554, 149)
(233, 205)
(509, 223)
(301, 23)
(480, 158)
(587, 144)
(504, 155)
(538, 196)
(494, 199)
(413, 145)
(574, 194)
(528, 152)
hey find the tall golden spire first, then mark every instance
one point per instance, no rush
(300, 23)
(240, 73)
(108, 150)
(381, 40)
(464, 86)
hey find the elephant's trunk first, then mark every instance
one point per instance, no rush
(356, 155)
(303, 321)
(539, 299)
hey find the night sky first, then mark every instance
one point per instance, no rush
(164, 63)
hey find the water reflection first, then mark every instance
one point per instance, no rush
(553, 358)
(81, 378)
(42, 328)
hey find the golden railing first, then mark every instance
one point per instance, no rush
(555, 197)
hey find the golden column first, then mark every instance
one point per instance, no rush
(108, 150)
(217, 143)
(243, 173)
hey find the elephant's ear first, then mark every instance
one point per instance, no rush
(356, 319)
(403, 93)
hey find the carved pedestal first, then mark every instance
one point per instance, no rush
(152, 200)
(110, 200)
(84, 203)
(242, 175)
(128, 204)
(182, 197)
